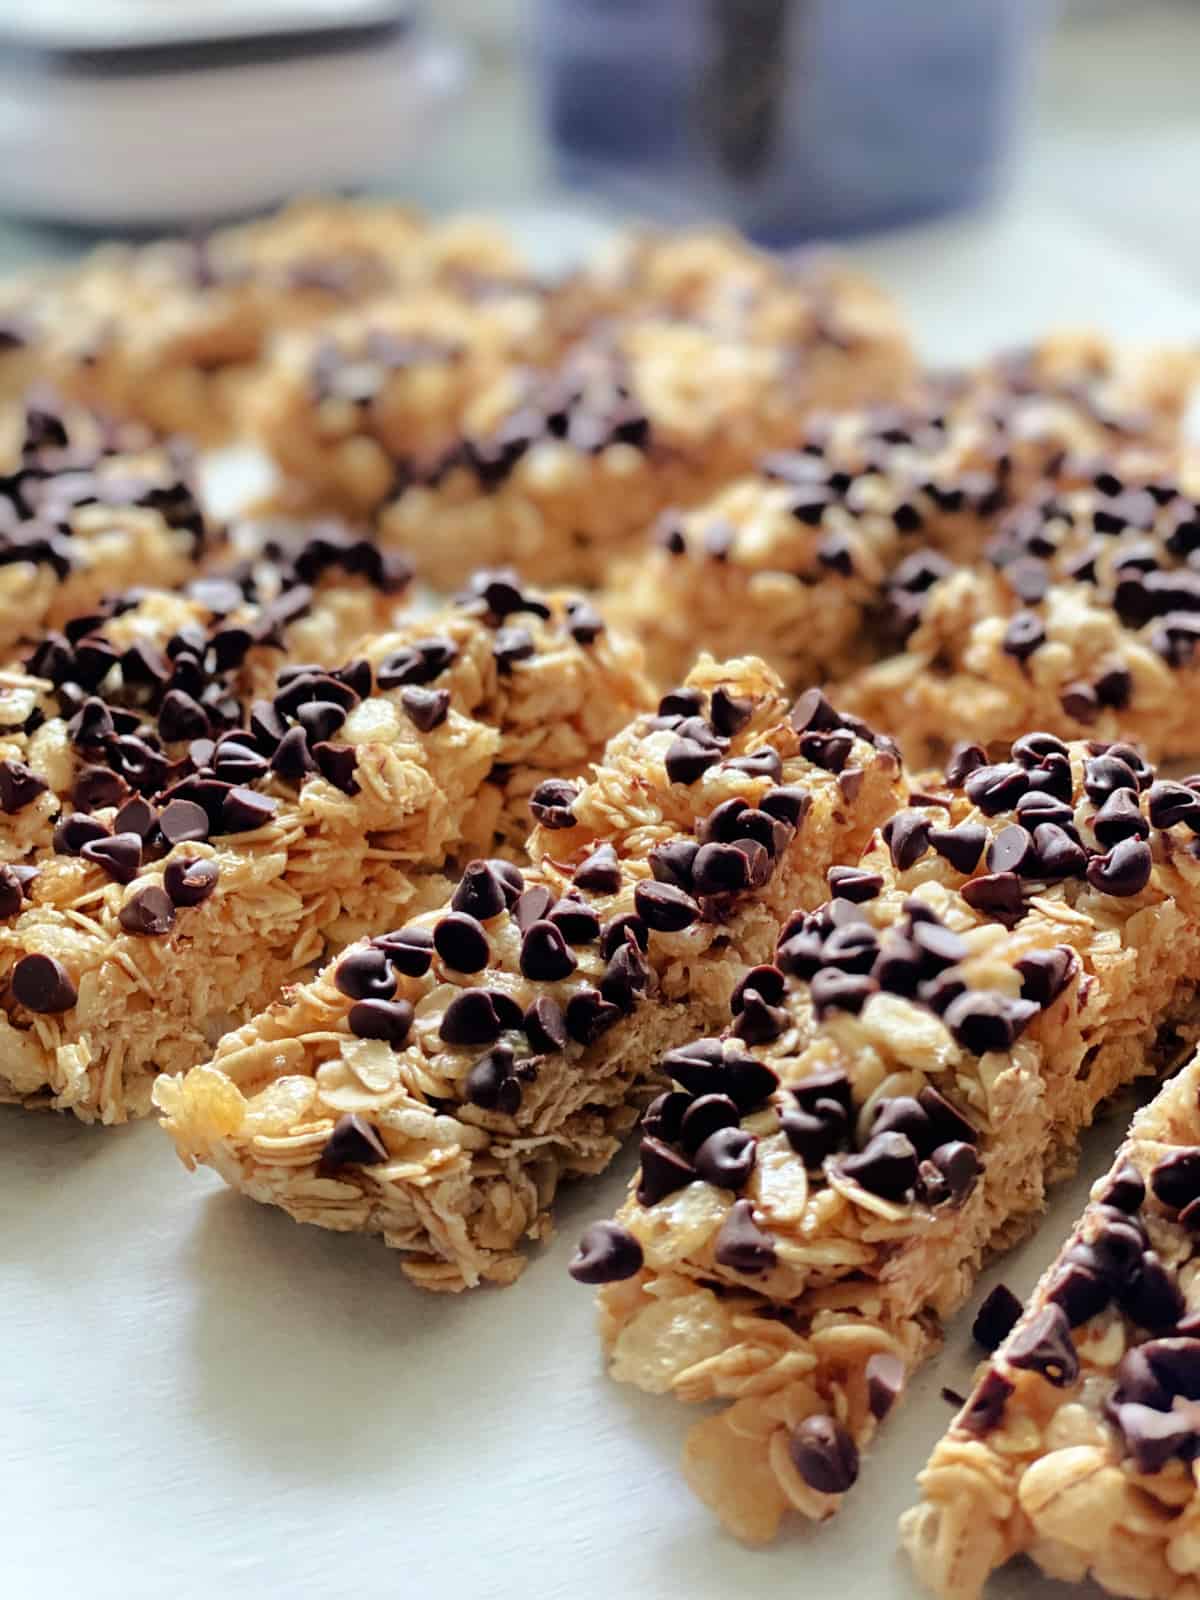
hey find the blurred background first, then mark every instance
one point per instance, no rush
(795, 119)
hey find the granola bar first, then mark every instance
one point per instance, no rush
(926, 1047)
(167, 332)
(87, 510)
(823, 559)
(436, 1083)
(1082, 619)
(187, 824)
(1078, 1443)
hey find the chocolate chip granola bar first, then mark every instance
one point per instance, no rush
(187, 823)
(924, 1048)
(437, 1081)
(1078, 1443)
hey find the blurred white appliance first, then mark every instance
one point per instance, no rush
(145, 112)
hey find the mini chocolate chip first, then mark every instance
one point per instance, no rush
(950, 1173)
(42, 984)
(243, 811)
(729, 713)
(148, 912)
(545, 1026)
(1102, 774)
(1056, 855)
(389, 1020)
(1125, 1190)
(480, 891)
(705, 1116)
(816, 1131)
(765, 763)
(119, 856)
(1172, 803)
(854, 883)
(1124, 871)
(461, 942)
(996, 1318)
(741, 1245)
(907, 837)
(551, 803)
(136, 816)
(903, 1113)
(789, 804)
(1043, 1345)
(939, 946)
(600, 873)
(236, 763)
(663, 1117)
(1012, 850)
(353, 1143)
(337, 764)
(531, 906)
(511, 646)
(189, 881)
(960, 846)
(365, 974)
(589, 1015)
(1024, 635)
(663, 1171)
(426, 709)
(812, 712)
(672, 862)
(1080, 701)
(292, 759)
(996, 788)
(834, 990)
(681, 702)
(1120, 817)
(686, 760)
(95, 788)
(607, 1253)
(545, 954)
(477, 1016)
(885, 1382)
(410, 950)
(182, 717)
(982, 1020)
(19, 786)
(664, 907)
(613, 934)
(824, 1455)
(985, 1405)
(76, 830)
(1152, 1297)
(92, 724)
(1175, 1180)
(1046, 973)
(997, 895)
(964, 759)
(886, 1166)
(758, 1022)
(491, 1084)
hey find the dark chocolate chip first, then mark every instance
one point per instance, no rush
(997, 788)
(545, 954)
(985, 1405)
(886, 1166)
(961, 846)
(600, 873)
(551, 803)
(1103, 774)
(964, 759)
(664, 907)
(461, 942)
(189, 881)
(148, 912)
(410, 950)
(480, 891)
(1044, 1345)
(1125, 1190)
(834, 990)
(243, 811)
(42, 984)
(687, 759)
(491, 1084)
(19, 786)
(1124, 871)
(353, 1143)
(789, 804)
(812, 713)
(119, 856)
(885, 1376)
(1175, 1180)
(741, 1245)
(950, 1173)
(389, 1020)
(607, 1253)
(672, 862)
(982, 1020)
(729, 713)
(663, 1171)
(76, 830)
(1056, 855)
(589, 1015)
(545, 1026)
(996, 1318)
(854, 883)
(1120, 817)
(97, 787)
(824, 1455)
(907, 837)
(997, 895)
(1046, 973)
(426, 709)
(1025, 634)
(1012, 850)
